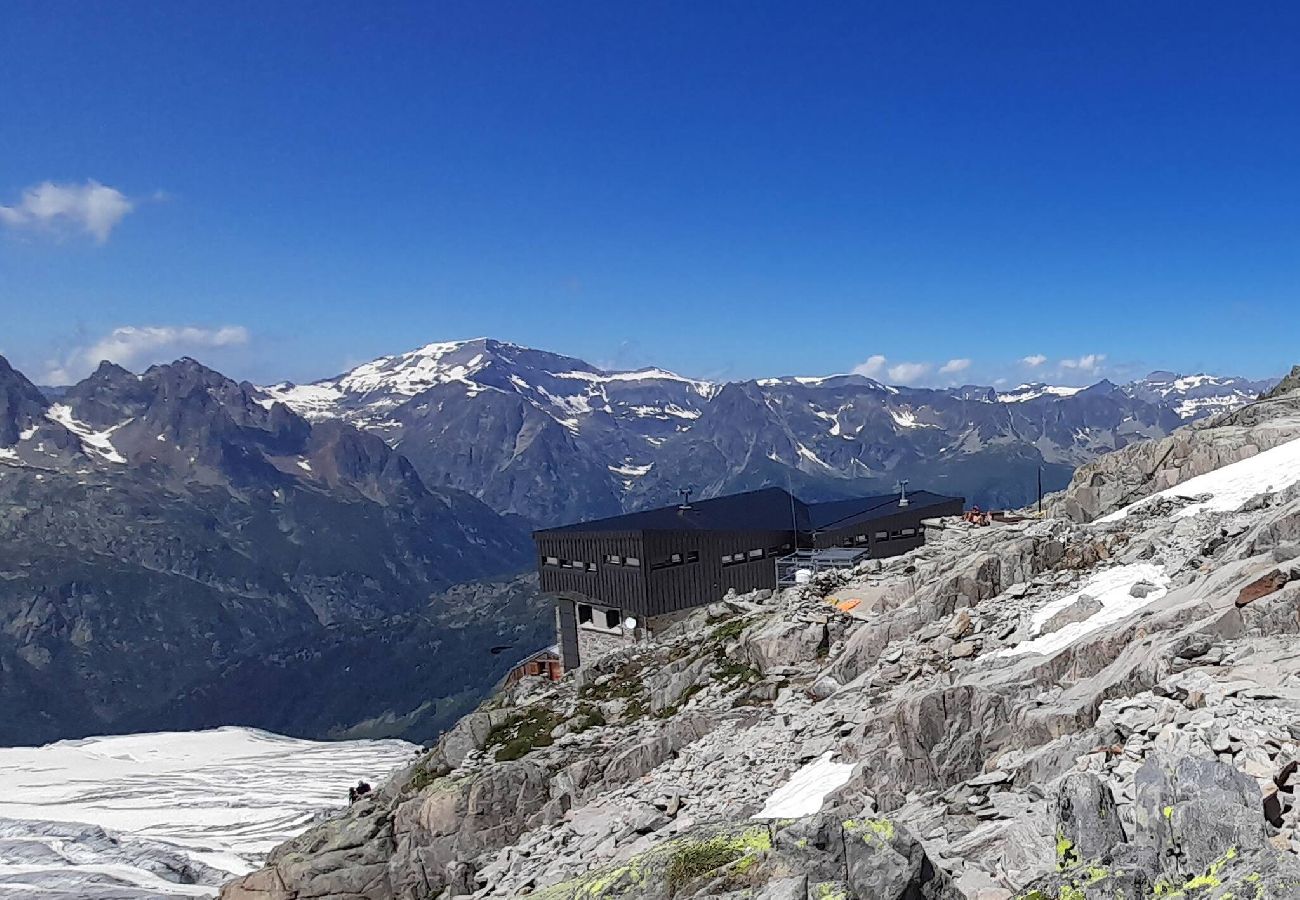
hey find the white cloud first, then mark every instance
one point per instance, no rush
(131, 345)
(1034, 360)
(1088, 363)
(954, 366)
(91, 207)
(874, 367)
(908, 372)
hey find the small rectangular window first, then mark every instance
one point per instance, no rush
(909, 532)
(584, 614)
(633, 561)
(726, 558)
(756, 554)
(552, 561)
(614, 559)
(882, 535)
(591, 567)
(693, 556)
(859, 539)
(611, 618)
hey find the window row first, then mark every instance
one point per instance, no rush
(730, 559)
(676, 559)
(895, 535)
(614, 559)
(556, 562)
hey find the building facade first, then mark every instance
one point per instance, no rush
(619, 580)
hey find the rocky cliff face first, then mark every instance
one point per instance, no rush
(160, 533)
(1046, 710)
(554, 439)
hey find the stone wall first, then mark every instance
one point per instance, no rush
(593, 643)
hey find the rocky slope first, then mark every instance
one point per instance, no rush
(554, 439)
(165, 535)
(1102, 703)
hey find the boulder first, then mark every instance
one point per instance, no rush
(1263, 586)
(783, 643)
(1089, 825)
(960, 625)
(1084, 607)
(884, 862)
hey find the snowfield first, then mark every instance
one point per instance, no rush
(1231, 486)
(170, 814)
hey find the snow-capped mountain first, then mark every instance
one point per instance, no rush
(1034, 391)
(531, 433)
(553, 439)
(1197, 396)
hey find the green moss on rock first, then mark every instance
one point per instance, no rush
(523, 732)
(678, 862)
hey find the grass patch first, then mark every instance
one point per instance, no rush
(425, 775)
(522, 733)
(586, 717)
(741, 673)
(626, 685)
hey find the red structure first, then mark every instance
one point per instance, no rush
(544, 663)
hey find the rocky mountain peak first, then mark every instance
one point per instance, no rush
(176, 546)
(22, 405)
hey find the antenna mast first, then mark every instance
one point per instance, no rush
(902, 492)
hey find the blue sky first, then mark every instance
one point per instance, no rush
(728, 189)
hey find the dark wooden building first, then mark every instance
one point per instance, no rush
(618, 579)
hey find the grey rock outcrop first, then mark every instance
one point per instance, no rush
(1199, 833)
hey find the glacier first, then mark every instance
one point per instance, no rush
(174, 814)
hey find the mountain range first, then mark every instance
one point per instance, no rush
(180, 550)
(553, 439)
(174, 550)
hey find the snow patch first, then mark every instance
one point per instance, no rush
(311, 401)
(1232, 485)
(905, 418)
(805, 792)
(631, 471)
(812, 457)
(99, 441)
(1112, 589)
(1033, 391)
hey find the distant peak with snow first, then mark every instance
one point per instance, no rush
(1026, 392)
(1199, 395)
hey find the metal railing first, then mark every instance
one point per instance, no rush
(800, 567)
